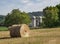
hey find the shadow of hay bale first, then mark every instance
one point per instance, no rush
(8, 38)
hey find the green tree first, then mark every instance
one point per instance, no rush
(51, 16)
(58, 6)
(17, 17)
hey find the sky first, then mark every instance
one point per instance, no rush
(6, 6)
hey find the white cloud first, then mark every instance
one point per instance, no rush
(25, 1)
(54, 2)
(39, 6)
(26, 5)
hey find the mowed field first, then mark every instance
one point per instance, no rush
(37, 36)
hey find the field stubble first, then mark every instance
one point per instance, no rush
(38, 36)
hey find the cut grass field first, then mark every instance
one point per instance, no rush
(37, 36)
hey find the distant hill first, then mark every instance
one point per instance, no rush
(2, 19)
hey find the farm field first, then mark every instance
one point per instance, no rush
(37, 36)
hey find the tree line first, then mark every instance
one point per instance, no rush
(15, 17)
(52, 16)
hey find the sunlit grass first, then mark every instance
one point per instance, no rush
(37, 36)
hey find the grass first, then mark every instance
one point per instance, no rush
(38, 36)
(3, 28)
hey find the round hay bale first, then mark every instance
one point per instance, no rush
(19, 30)
(24, 30)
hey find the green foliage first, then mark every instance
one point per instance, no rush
(51, 16)
(17, 17)
(58, 6)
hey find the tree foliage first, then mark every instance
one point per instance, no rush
(51, 16)
(58, 6)
(17, 17)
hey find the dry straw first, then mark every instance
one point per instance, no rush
(19, 30)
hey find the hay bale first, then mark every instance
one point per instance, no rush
(19, 30)
(24, 31)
